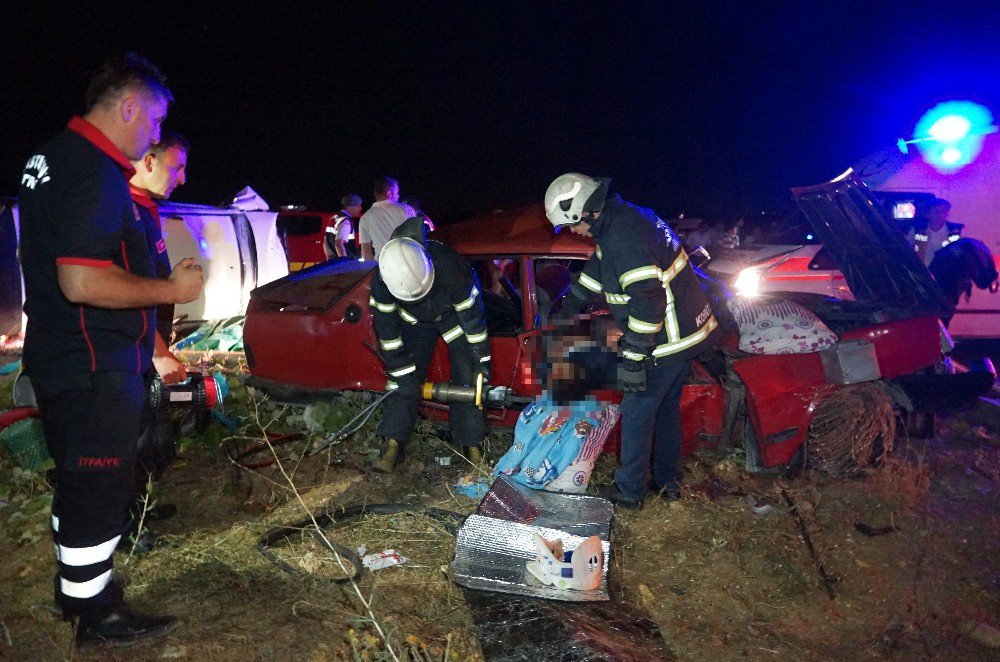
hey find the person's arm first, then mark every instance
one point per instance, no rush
(468, 304)
(367, 253)
(110, 286)
(168, 366)
(399, 364)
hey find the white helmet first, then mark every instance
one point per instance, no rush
(572, 194)
(406, 269)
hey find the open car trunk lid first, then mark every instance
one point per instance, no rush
(879, 264)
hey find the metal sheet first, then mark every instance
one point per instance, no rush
(578, 514)
(490, 555)
(494, 545)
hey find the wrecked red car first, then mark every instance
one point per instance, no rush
(311, 333)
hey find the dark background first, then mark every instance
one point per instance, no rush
(704, 108)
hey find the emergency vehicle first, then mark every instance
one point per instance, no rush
(955, 157)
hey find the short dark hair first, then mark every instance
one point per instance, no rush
(937, 202)
(383, 184)
(129, 70)
(170, 139)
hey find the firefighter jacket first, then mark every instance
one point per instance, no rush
(454, 306)
(653, 292)
(922, 238)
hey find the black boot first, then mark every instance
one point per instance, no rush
(121, 626)
(140, 543)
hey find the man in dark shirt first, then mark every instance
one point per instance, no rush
(160, 170)
(90, 296)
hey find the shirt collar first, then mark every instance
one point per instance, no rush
(100, 141)
(142, 199)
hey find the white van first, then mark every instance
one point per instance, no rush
(238, 247)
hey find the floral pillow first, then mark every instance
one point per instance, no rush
(777, 326)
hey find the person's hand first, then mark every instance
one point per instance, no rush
(187, 279)
(169, 368)
(633, 376)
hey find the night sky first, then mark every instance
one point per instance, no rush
(704, 108)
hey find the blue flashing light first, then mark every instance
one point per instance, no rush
(951, 155)
(950, 135)
(950, 128)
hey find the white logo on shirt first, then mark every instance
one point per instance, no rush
(40, 173)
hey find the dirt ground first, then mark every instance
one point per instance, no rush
(721, 578)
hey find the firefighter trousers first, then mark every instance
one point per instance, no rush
(468, 426)
(90, 430)
(651, 431)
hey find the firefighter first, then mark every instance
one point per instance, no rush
(665, 318)
(424, 290)
(90, 294)
(932, 230)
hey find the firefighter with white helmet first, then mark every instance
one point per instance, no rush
(424, 290)
(656, 299)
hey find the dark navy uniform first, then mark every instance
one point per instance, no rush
(656, 299)
(408, 333)
(86, 364)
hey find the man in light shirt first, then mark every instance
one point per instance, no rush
(384, 216)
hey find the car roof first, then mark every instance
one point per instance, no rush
(525, 230)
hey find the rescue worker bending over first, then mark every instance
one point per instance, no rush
(658, 303)
(424, 290)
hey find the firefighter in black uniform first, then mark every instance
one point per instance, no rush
(90, 297)
(658, 303)
(161, 170)
(424, 290)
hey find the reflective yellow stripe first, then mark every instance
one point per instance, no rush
(640, 326)
(670, 317)
(452, 334)
(617, 298)
(675, 268)
(391, 344)
(384, 307)
(465, 305)
(590, 283)
(476, 337)
(391, 385)
(598, 252)
(486, 359)
(638, 274)
(407, 316)
(633, 356)
(403, 371)
(692, 340)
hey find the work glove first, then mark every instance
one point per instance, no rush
(632, 376)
